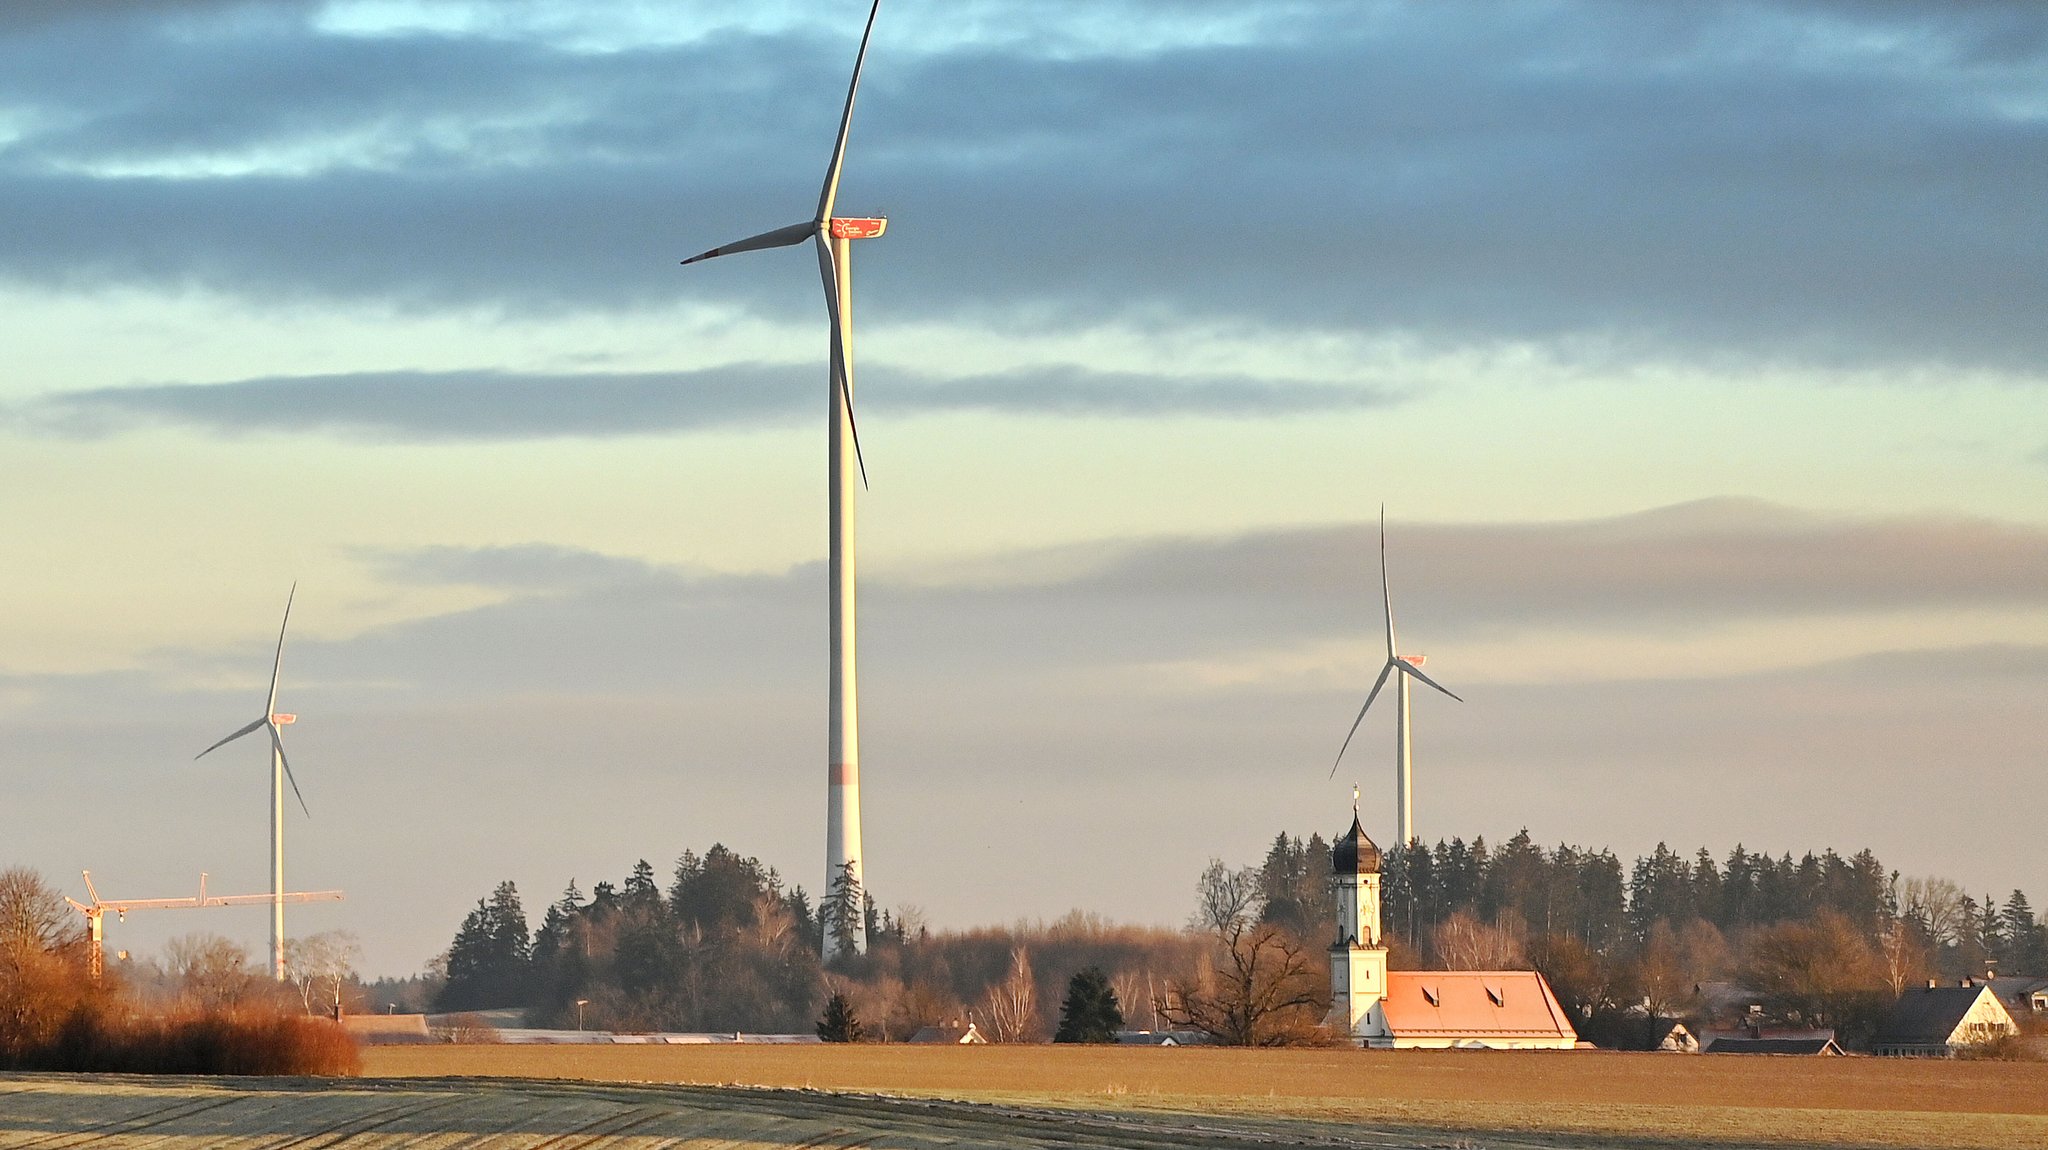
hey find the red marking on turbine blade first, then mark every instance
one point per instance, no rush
(845, 774)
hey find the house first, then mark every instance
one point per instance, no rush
(2023, 997)
(1410, 1009)
(1161, 1038)
(1743, 1044)
(1936, 1021)
(953, 1033)
(1671, 1036)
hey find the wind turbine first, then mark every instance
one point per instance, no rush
(280, 772)
(834, 237)
(1403, 668)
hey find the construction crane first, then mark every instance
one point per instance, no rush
(96, 911)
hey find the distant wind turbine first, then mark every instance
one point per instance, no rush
(1407, 666)
(834, 236)
(280, 773)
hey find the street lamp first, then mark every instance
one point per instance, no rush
(580, 1004)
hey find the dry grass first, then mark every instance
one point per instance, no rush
(1817, 1102)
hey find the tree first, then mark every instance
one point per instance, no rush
(320, 965)
(1818, 973)
(1011, 1006)
(1462, 942)
(1224, 897)
(42, 977)
(33, 915)
(1266, 989)
(490, 961)
(211, 971)
(840, 1023)
(2024, 943)
(844, 911)
(1091, 1012)
(1900, 953)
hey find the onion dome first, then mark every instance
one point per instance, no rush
(1355, 853)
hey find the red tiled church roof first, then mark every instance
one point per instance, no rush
(1457, 1003)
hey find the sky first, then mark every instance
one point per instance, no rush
(1695, 352)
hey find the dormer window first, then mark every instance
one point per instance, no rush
(1497, 995)
(1429, 993)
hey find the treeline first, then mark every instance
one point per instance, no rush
(1823, 940)
(1589, 897)
(728, 946)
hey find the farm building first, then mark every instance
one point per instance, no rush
(1937, 1021)
(1671, 1036)
(1744, 1044)
(1412, 1009)
(953, 1033)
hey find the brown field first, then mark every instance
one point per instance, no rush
(1484, 1099)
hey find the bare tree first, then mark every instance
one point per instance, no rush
(34, 917)
(1129, 987)
(1660, 971)
(42, 976)
(211, 971)
(1900, 955)
(1462, 942)
(1224, 897)
(1011, 1006)
(321, 965)
(1267, 989)
(1936, 904)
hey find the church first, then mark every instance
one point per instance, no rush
(1424, 1009)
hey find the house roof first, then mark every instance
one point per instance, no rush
(1773, 1046)
(948, 1033)
(2017, 992)
(1355, 852)
(1473, 1003)
(1928, 1015)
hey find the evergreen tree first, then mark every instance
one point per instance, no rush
(641, 893)
(490, 961)
(840, 1023)
(2023, 940)
(1091, 1012)
(841, 914)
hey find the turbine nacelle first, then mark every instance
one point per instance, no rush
(858, 227)
(1408, 666)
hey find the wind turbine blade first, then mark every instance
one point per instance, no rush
(831, 192)
(1386, 594)
(779, 238)
(232, 738)
(278, 742)
(277, 664)
(842, 371)
(1411, 669)
(1374, 694)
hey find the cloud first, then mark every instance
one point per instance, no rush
(496, 405)
(607, 709)
(529, 568)
(1809, 182)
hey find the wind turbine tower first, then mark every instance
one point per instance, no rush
(1403, 668)
(280, 773)
(833, 236)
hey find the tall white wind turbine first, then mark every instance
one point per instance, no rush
(280, 773)
(1403, 668)
(833, 237)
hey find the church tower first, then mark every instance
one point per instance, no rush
(1358, 959)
